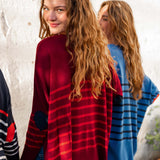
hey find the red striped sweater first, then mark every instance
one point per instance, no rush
(77, 130)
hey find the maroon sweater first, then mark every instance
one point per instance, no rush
(76, 130)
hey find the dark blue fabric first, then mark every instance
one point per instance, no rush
(41, 120)
(40, 155)
(10, 150)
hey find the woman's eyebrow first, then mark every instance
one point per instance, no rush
(105, 16)
(44, 5)
(60, 7)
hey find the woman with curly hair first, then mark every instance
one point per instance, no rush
(74, 85)
(116, 20)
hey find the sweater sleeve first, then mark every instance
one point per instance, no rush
(37, 129)
(117, 96)
(8, 134)
(150, 92)
(116, 85)
(3, 110)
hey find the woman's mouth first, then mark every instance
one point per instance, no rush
(53, 25)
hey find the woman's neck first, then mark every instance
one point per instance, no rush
(111, 39)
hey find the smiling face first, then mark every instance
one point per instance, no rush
(55, 15)
(104, 21)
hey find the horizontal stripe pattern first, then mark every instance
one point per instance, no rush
(77, 129)
(3, 126)
(79, 125)
(10, 149)
(2, 155)
(74, 126)
(3, 112)
(35, 137)
(129, 113)
(128, 116)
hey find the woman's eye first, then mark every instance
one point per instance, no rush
(104, 19)
(60, 10)
(45, 9)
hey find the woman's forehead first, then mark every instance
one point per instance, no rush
(104, 10)
(55, 2)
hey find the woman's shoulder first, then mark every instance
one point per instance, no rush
(116, 52)
(150, 91)
(1, 78)
(148, 84)
(53, 41)
(114, 49)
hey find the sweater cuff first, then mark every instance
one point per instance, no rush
(30, 153)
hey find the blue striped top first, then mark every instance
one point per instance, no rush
(127, 116)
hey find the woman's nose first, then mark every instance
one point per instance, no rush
(52, 16)
(99, 20)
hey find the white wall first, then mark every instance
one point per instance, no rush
(19, 27)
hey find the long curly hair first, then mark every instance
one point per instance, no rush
(122, 22)
(90, 54)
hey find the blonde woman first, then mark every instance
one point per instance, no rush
(116, 20)
(74, 85)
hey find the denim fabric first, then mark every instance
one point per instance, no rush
(40, 155)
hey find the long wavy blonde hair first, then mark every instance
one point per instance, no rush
(91, 57)
(122, 22)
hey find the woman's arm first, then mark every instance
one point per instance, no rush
(37, 129)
